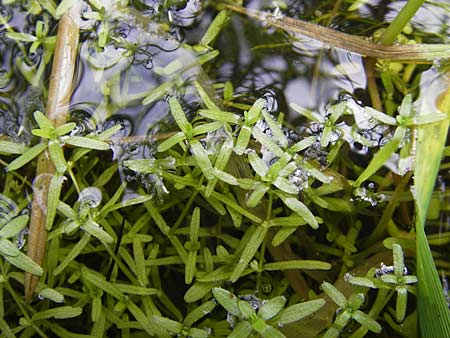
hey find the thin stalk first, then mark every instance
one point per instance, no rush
(401, 20)
(60, 90)
(418, 53)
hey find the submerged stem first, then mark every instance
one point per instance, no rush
(60, 91)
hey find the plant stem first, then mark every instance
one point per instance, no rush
(60, 90)
(401, 20)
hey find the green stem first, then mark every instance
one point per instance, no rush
(401, 20)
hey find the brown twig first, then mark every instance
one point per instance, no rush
(60, 90)
(426, 53)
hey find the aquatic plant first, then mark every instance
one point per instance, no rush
(229, 216)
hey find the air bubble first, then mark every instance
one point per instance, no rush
(90, 197)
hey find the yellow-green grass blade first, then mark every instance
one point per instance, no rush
(434, 316)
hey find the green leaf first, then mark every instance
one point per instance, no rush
(254, 114)
(57, 156)
(241, 330)
(26, 157)
(199, 312)
(335, 294)
(198, 290)
(13, 227)
(73, 253)
(201, 157)
(24, 263)
(206, 128)
(204, 96)
(267, 142)
(65, 128)
(257, 194)
(171, 141)
(249, 251)
(367, 321)
(272, 307)
(214, 28)
(7, 147)
(277, 132)
(169, 324)
(62, 312)
(179, 115)
(300, 311)
(20, 37)
(431, 139)
(8, 249)
(86, 142)
(157, 93)
(246, 309)
(54, 190)
(228, 301)
(51, 294)
(64, 6)
(302, 210)
(257, 164)
(242, 140)
(95, 230)
(219, 115)
(99, 281)
(381, 156)
(43, 122)
(297, 264)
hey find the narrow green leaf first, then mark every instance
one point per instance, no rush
(282, 235)
(139, 259)
(249, 251)
(66, 210)
(227, 300)
(242, 140)
(241, 330)
(7, 147)
(57, 156)
(257, 194)
(381, 156)
(64, 6)
(277, 132)
(302, 210)
(267, 142)
(285, 185)
(95, 230)
(171, 141)
(8, 249)
(224, 176)
(86, 142)
(148, 323)
(201, 157)
(204, 96)
(367, 321)
(169, 324)
(5, 329)
(65, 128)
(219, 115)
(254, 114)
(20, 37)
(62, 312)
(246, 309)
(300, 311)
(51, 294)
(99, 281)
(43, 122)
(13, 227)
(199, 312)
(74, 252)
(232, 204)
(27, 156)
(158, 92)
(179, 115)
(198, 290)
(215, 27)
(257, 164)
(303, 144)
(334, 294)
(25, 263)
(431, 139)
(206, 128)
(54, 190)
(271, 332)
(298, 264)
(272, 307)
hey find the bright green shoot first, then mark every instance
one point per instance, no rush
(350, 310)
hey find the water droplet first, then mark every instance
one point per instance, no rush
(91, 197)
